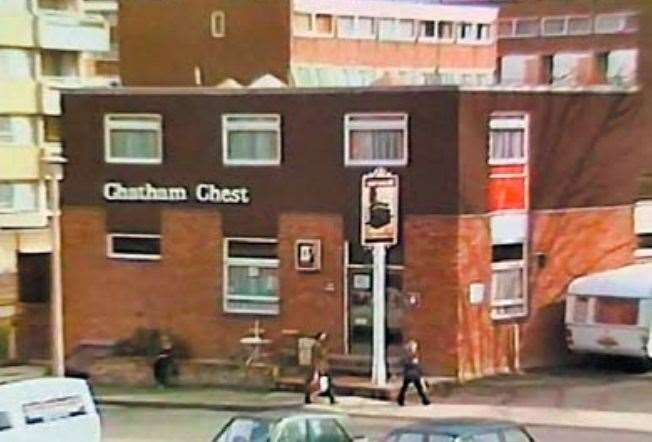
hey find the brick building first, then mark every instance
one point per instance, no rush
(306, 42)
(183, 209)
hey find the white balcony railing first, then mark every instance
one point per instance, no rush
(71, 31)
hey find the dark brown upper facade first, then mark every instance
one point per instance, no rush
(585, 150)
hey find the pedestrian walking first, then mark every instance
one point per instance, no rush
(412, 374)
(319, 378)
(164, 363)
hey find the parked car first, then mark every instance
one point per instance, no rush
(286, 427)
(48, 409)
(610, 313)
(461, 430)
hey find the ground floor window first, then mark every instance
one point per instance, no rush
(508, 282)
(135, 246)
(251, 276)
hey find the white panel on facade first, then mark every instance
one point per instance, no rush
(508, 228)
(643, 217)
(72, 32)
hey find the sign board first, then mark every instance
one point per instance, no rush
(379, 208)
(307, 255)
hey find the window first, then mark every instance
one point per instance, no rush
(516, 435)
(243, 429)
(253, 140)
(313, 25)
(483, 32)
(366, 27)
(59, 64)
(376, 139)
(507, 143)
(465, 31)
(616, 23)
(133, 138)
(251, 276)
(18, 198)
(16, 64)
(579, 25)
(302, 23)
(428, 30)
(295, 431)
(218, 24)
(581, 309)
(54, 409)
(445, 30)
(390, 29)
(622, 67)
(356, 27)
(554, 26)
(526, 27)
(323, 24)
(616, 311)
(487, 437)
(17, 131)
(34, 277)
(346, 27)
(52, 129)
(5, 422)
(508, 281)
(135, 246)
(326, 430)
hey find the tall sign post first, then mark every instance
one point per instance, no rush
(379, 230)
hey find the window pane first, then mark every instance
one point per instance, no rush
(376, 145)
(526, 28)
(386, 29)
(246, 430)
(6, 196)
(632, 23)
(5, 423)
(515, 435)
(59, 64)
(507, 144)
(507, 285)
(324, 23)
(645, 241)
(252, 145)
(410, 437)
(445, 30)
(581, 309)
(134, 144)
(252, 281)
(15, 64)
(244, 249)
(428, 29)
(483, 32)
(507, 252)
(295, 432)
(579, 25)
(622, 67)
(406, 29)
(609, 23)
(302, 23)
(136, 246)
(326, 430)
(52, 126)
(488, 437)
(554, 26)
(346, 26)
(16, 198)
(439, 438)
(616, 311)
(366, 27)
(17, 130)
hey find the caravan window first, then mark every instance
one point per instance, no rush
(53, 409)
(616, 311)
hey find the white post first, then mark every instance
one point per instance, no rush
(379, 369)
(56, 301)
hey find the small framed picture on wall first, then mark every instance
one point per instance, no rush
(307, 255)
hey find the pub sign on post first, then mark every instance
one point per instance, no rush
(379, 208)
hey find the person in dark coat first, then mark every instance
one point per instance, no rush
(412, 374)
(320, 370)
(163, 365)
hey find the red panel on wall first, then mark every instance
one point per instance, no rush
(506, 188)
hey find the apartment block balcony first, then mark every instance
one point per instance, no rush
(22, 163)
(51, 88)
(72, 31)
(19, 97)
(26, 206)
(16, 29)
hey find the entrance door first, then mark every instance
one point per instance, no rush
(360, 310)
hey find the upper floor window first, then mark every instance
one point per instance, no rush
(391, 29)
(133, 138)
(218, 24)
(376, 139)
(526, 27)
(507, 143)
(508, 281)
(16, 64)
(17, 131)
(579, 25)
(616, 23)
(356, 27)
(313, 25)
(135, 246)
(251, 139)
(18, 198)
(552, 26)
(59, 64)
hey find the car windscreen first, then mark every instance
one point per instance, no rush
(245, 430)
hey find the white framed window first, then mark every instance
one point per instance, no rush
(20, 131)
(306, 24)
(622, 67)
(446, 31)
(554, 26)
(133, 138)
(428, 30)
(16, 64)
(376, 139)
(218, 24)
(135, 246)
(251, 139)
(391, 29)
(251, 276)
(615, 23)
(60, 64)
(465, 31)
(580, 25)
(19, 197)
(508, 142)
(356, 27)
(508, 282)
(526, 27)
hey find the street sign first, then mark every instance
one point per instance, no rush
(379, 208)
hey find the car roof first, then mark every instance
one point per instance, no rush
(278, 415)
(457, 427)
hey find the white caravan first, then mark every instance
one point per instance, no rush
(611, 312)
(48, 409)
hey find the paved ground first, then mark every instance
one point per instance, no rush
(149, 425)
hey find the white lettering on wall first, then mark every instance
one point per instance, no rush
(204, 193)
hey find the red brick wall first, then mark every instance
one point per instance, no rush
(430, 243)
(182, 293)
